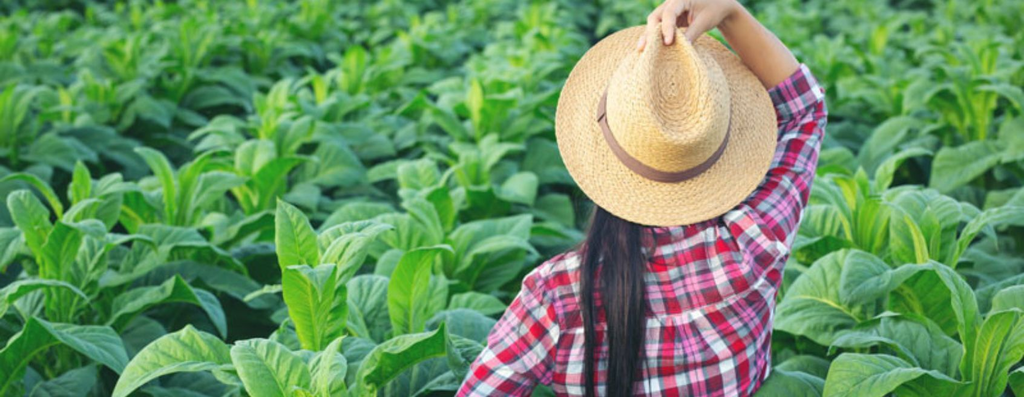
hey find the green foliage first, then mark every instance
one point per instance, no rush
(95, 342)
(322, 198)
(316, 304)
(187, 350)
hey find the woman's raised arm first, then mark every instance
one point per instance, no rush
(758, 47)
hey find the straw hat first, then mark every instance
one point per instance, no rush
(669, 136)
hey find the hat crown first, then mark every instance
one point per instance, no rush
(669, 106)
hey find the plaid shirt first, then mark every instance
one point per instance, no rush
(711, 288)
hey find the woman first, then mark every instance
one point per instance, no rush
(699, 163)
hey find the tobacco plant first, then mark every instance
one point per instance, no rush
(340, 198)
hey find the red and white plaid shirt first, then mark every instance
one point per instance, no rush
(711, 288)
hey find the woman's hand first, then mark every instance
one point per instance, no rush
(698, 16)
(757, 47)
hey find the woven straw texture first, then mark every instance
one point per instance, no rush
(668, 107)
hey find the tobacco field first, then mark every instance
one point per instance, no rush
(339, 198)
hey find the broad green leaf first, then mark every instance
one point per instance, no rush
(426, 215)
(349, 249)
(463, 322)
(328, 369)
(791, 384)
(81, 209)
(285, 333)
(1012, 142)
(999, 346)
(11, 241)
(210, 187)
(490, 253)
(139, 333)
(461, 353)
(884, 173)
(986, 293)
(965, 307)
(407, 233)
(520, 188)
(265, 290)
(870, 225)
(190, 187)
(253, 154)
(437, 293)
(187, 350)
(408, 289)
(355, 349)
(449, 383)
(418, 174)
(475, 103)
(813, 365)
(914, 338)
(823, 230)
(161, 167)
(449, 123)
(43, 187)
(556, 208)
(1017, 381)
(316, 304)
(10, 293)
(411, 381)
(368, 307)
(956, 166)
(813, 307)
(907, 243)
(1008, 298)
(542, 158)
(235, 284)
(77, 382)
(883, 140)
(336, 166)
(294, 238)
(272, 179)
(389, 359)
(1010, 92)
(440, 198)
(1001, 197)
(486, 304)
(354, 65)
(173, 242)
(387, 262)
(31, 217)
(95, 342)
(355, 211)
(268, 369)
(936, 218)
(924, 293)
(998, 216)
(865, 278)
(230, 231)
(59, 251)
(174, 290)
(876, 375)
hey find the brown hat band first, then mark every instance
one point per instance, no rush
(646, 171)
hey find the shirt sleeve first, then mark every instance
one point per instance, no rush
(520, 348)
(780, 199)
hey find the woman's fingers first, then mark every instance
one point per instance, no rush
(669, 13)
(653, 19)
(699, 24)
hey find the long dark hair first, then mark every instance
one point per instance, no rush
(617, 243)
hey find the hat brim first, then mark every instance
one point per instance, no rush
(591, 163)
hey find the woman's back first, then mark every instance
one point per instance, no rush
(702, 295)
(710, 288)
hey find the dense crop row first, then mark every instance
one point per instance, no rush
(339, 197)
